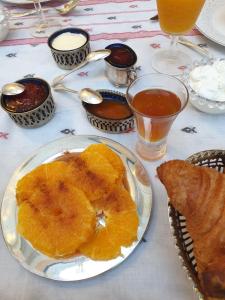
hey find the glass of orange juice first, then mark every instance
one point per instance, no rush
(176, 17)
(156, 100)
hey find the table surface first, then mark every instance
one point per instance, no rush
(154, 270)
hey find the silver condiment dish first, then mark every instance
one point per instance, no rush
(120, 125)
(123, 72)
(38, 115)
(69, 59)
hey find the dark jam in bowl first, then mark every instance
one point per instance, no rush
(35, 94)
(121, 56)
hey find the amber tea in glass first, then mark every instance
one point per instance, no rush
(156, 100)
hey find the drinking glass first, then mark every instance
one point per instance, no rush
(4, 22)
(153, 130)
(176, 17)
(43, 27)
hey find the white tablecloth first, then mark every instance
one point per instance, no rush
(153, 271)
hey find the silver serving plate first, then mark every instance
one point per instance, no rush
(183, 241)
(78, 267)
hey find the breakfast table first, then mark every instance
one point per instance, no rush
(154, 270)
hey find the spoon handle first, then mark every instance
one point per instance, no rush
(61, 77)
(195, 47)
(68, 90)
(25, 13)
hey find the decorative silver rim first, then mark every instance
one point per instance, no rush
(80, 267)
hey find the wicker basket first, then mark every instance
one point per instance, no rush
(213, 159)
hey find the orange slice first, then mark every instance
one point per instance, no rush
(59, 223)
(93, 174)
(117, 226)
(51, 173)
(110, 155)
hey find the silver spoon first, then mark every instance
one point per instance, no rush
(67, 7)
(62, 9)
(11, 89)
(92, 56)
(202, 51)
(86, 95)
(26, 13)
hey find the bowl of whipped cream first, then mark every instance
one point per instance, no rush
(206, 83)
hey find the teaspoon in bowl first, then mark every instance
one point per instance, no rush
(11, 89)
(86, 95)
(92, 56)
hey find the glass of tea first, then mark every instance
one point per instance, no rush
(176, 17)
(156, 100)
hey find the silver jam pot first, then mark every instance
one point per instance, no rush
(120, 72)
(108, 125)
(120, 76)
(37, 116)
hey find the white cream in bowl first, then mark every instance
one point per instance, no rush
(69, 41)
(208, 81)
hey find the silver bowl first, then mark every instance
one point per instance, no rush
(121, 75)
(201, 103)
(110, 125)
(37, 116)
(69, 59)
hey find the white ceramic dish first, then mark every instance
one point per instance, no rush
(22, 2)
(211, 21)
(199, 102)
(78, 267)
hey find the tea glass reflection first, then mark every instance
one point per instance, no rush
(176, 17)
(153, 130)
